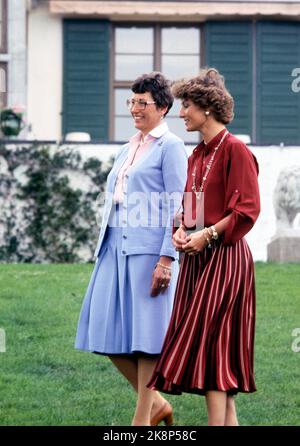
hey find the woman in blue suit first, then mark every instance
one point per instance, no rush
(129, 299)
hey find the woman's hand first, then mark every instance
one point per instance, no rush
(179, 238)
(161, 276)
(196, 242)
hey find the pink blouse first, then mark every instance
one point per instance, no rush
(137, 147)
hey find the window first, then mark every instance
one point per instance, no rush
(173, 50)
(133, 52)
(180, 51)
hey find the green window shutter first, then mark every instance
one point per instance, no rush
(86, 77)
(228, 47)
(278, 107)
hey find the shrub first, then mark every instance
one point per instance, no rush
(48, 204)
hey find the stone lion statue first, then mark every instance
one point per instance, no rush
(286, 197)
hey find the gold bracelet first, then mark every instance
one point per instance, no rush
(215, 235)
(210, 233)
(164, 266)
(207, 239)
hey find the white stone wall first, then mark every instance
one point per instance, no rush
(271, 160)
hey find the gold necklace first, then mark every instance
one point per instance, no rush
(208, 167)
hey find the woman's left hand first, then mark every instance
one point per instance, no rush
(161, 278)
(196, 242)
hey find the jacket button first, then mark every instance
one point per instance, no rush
(125, 236)
(123, 252)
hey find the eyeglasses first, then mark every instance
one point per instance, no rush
(140, 104)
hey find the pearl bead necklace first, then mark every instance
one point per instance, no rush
(208, 167)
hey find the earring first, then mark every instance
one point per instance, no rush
(207, 113)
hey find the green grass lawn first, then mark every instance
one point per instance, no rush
(45, 381)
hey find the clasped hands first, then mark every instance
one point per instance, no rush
(190, 244)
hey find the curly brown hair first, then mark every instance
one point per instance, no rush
(208, 92)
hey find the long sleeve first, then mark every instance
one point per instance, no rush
(242, 192)
(174, 170)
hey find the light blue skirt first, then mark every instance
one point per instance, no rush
(118, 315)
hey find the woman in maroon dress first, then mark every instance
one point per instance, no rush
(208, 348)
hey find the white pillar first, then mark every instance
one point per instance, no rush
(45, 72)
(17, 79)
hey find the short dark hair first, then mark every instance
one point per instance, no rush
(208, 92)
(159, 87)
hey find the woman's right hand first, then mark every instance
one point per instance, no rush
(179, 238)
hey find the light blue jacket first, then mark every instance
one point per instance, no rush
(152, 195)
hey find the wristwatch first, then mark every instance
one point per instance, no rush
(215, 235)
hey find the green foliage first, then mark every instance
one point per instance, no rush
(44, 381)
(44, 218)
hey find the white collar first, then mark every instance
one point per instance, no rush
(160, 130)
(157, 132)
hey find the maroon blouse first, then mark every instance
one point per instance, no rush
(231, 186)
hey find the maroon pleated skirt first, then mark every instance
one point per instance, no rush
(209, 344)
